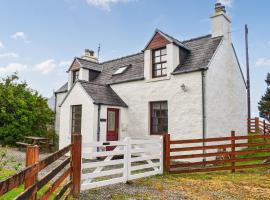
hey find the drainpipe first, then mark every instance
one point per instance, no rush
(203, 109)
(98, 123)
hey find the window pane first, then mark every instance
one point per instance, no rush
(158, 73)
(158, 66)
(157, 59)
(157, 53)
(76, 118)
(111, 121)
(159, 121)
(155, 129)
(155, 106)
(163, 51)
(163, 58)
(164, 71)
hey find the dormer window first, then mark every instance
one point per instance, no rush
(75, 76)
(159, 68)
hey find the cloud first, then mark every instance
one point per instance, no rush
(226, 2)
(46, 66)
(106, 4)
(12, 67)
(20, 36)
(65, 63)
(9, 55)
(1, 45)
(263, 62)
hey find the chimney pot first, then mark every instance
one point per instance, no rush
(90, 55)
(220, 8)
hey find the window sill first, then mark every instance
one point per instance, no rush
(158, 79)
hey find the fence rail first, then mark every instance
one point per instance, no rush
(255, 125)
(29, 176)
(130, 159)
(199, 155)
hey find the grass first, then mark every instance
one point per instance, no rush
(242, 185)
(4, 173)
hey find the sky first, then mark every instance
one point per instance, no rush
(39, 39)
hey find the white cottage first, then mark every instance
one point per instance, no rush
(190, 89)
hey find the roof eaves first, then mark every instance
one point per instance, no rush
(75, 58)
(126, 80)
(189, 71)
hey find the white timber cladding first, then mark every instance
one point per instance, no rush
(226, 107)
(184, 108)
(77, 96)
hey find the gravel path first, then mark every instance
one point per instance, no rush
(132, 191)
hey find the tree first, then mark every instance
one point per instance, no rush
(23, 111)
(264, 104)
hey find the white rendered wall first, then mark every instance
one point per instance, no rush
(84, 74)
(77, 96)
(184, 108)
(226, 108)
(59, 99)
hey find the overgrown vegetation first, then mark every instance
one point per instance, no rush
(264, 104)
(23, 111)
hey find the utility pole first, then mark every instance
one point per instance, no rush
(248, 78)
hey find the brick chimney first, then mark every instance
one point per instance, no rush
(221, 22)
(90, 55)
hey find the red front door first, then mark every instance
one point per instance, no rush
(112, 126)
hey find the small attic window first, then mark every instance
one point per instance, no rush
(121, 70)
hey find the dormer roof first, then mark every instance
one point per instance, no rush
(83, 63)
(160, 39)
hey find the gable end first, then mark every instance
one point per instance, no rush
(157, 41)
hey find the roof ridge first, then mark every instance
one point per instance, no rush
(87, 60)
(197, 38)
(121, 57)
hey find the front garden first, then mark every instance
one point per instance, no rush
(248, 184)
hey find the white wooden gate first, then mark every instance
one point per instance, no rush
(131, 159)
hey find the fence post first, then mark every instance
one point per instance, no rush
(233, 149)
(166, 152)
(76, 157)
(127, 157)
(257, 124)
(32, 157)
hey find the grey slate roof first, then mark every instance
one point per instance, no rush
(63, 88)
(102, 94)
(202, 51)
(90, 65)
(133, 72)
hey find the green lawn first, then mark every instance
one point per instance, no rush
(16, 191)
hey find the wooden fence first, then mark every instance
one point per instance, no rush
(71, 167)
(255, 125)
(230, 154)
